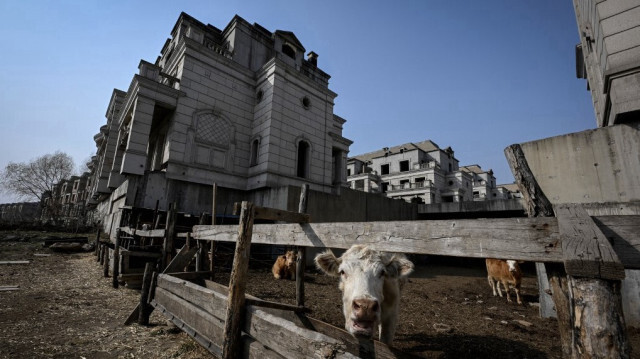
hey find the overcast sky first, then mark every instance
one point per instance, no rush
(474, 75)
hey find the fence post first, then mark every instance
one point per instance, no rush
(169, 232)
(116, 260)
(105, 260)
(213, 223)
(237, 284)
(144, 312)
(302, 261)
(97, 243)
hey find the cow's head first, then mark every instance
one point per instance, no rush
(363, 273)
(290, 258)
(513, 265)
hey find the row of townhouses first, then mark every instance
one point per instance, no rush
(423, 173)
(68, 199)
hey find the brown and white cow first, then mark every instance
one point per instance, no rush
(506, 272)
(285, 266)
(370, 282)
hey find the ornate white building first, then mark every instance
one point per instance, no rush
(421, 173)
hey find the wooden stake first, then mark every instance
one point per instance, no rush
(105, 260)
(237, 285)
(116, 260)
(144, 312)
(169, 234)
(213, 223)
(302, 261)
(97, 243)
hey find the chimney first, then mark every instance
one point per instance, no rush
(312, 57)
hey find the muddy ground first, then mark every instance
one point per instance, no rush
(65, 308)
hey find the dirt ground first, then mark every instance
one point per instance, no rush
(65, 308)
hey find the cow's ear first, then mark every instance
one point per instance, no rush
(399, 266)
(328, 263)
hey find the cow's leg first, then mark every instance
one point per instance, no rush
(506, 290)
(493, 286)
(517, 289)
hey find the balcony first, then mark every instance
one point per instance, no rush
(153, 72)
(408, 186)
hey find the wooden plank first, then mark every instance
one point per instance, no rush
(529, 239)
(301, 259)
(209, 300)
(586, 251)
(8, 288)
(13, 262)
(623, 232)
(190, 275)
(195, 317)
(289, 340)
(238, 283)
(274, 214)
(116, 261)
(144, 310)
(253, 349)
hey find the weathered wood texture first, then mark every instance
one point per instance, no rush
(536, 202)
(586, 251)
(238, 283)
(116, 261)
(597, 319)
(144, 310)
(153, 233)
(274, 214)
(301, 260)
(530, 239)
(623, 232)
(167, 247)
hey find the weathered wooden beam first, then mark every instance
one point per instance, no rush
(274, 214)
(144, 310)
(291, 341)
(116, 261)
(536, 202)
(167, 247)
(623, 232)
(301, 260)
(586, 251)
(238, 283)
(530, 239)
(9, 288)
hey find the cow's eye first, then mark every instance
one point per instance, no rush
(381, 274)
(341, 272)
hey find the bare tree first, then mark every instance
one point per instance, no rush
(29, 181)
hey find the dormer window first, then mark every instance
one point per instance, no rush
(289, 51)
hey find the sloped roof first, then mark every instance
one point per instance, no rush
(291, 37)
(511, 187)
(473, 169)
(426, 146)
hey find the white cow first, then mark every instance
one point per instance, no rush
(370, 282)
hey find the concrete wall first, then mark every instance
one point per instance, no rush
(601, 165)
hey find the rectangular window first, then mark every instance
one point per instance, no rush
(385, 186)
(404, 166)
(384, 169)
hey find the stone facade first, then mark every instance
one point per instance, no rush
(421, 173)
(68, 199)
(608, 56)
(240, 107)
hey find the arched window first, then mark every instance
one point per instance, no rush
(289, 51)
(303, 160)
(254, 152)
